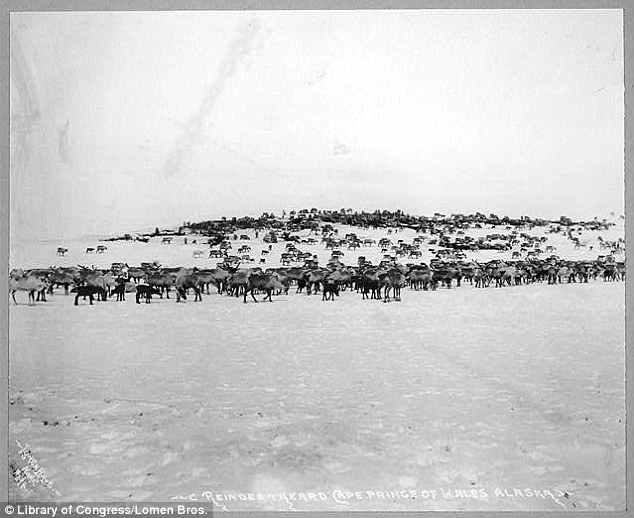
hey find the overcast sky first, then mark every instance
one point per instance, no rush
(122, 121)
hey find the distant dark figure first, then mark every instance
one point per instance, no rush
(41, 295)
(330, 290)
(145, 291)
(88, 291)
(119, 291)
(301, 284)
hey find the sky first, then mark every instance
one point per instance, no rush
(124, 121)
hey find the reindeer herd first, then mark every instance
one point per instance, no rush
(400, 267)
(384, 282)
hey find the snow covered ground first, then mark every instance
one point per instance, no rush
(505, 399)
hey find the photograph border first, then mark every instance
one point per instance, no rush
(9, 6)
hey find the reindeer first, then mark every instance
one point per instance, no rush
(183, 283)
(263, 282)
(330, 289)
(147, 292)
(28, 283)
(88, 291)
(394, 280)
(119, 291)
